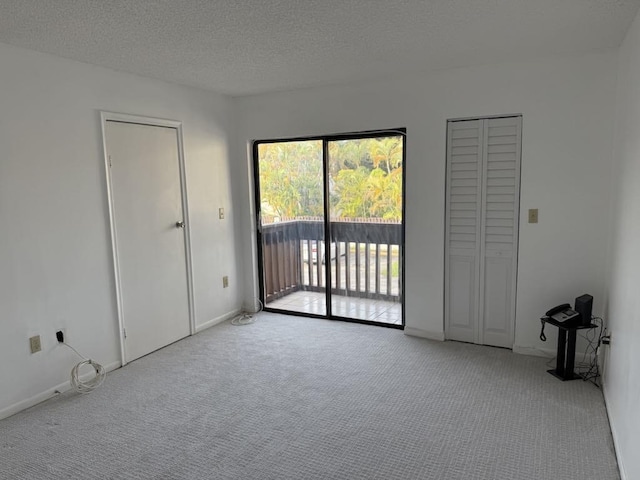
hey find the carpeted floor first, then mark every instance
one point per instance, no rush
(298, 398)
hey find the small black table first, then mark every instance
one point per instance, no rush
(566, 356)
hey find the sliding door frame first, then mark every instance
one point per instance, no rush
(325, 139)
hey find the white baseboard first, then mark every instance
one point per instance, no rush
(418, 332)
(548, 353)
(614, 435)
(48, 393)
(217, 320)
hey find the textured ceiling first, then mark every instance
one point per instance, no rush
(250, 46)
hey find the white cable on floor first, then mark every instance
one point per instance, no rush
(246, 318)
(91, 384)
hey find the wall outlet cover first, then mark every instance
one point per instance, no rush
(225, 281)
(533, 215)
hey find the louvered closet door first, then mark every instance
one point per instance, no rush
(464, 197)
(499, 248)
(483, 181)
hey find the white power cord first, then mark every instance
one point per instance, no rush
(246, 318)
(90, 385)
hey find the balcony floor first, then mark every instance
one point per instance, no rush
(349, 307)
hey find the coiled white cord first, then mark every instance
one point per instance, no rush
(246, 318)
(90, 385)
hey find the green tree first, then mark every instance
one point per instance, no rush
(365, 178)
(352, 197)
(291, 177)
(387, 151)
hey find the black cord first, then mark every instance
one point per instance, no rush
(543, 337)
(591, 370)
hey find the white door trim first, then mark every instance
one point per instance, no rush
(155, 122)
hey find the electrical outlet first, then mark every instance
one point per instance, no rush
(221, 213)
(533, 215)
(34, 344)
(225, 281)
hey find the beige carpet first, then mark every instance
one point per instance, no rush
(297, 398)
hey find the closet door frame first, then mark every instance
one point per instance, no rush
(481, 214)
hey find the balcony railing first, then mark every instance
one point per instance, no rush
(365, 258)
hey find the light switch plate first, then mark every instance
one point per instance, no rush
(533, 215)
(34, 344)
(221, 213)
(225, 281)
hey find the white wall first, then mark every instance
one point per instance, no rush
(622, 366)
(55, 251)
(567, 106)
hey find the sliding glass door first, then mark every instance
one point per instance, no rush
(365, 213)
(292, 212)
(346, 188)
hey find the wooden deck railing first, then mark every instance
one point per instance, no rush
(365, 258)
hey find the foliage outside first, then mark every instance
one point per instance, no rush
(365, 179)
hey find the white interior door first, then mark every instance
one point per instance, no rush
(464, 199)
(483, 182)
(499, 246)
(150, 247)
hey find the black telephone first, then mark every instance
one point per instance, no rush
(562, 313)
(571, 319)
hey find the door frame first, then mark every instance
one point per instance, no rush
(106, 116)
(325, 139)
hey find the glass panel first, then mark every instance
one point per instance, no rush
(292, 214)
(365, 211)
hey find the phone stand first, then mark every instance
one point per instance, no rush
(566, 356)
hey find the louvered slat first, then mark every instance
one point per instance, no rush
(497, 206)
(501, 131)
(464, 158)
(506, 148)
(462, 221)
(507, 140)
(502, 164)
(499, 182)
(499, 214)
(463, 182)
(464, 142)
(499, 222)
(470, 130)
(491, 174)
(464, 190)
(466, 166)
(468, 174)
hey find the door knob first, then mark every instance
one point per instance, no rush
(179, 224)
